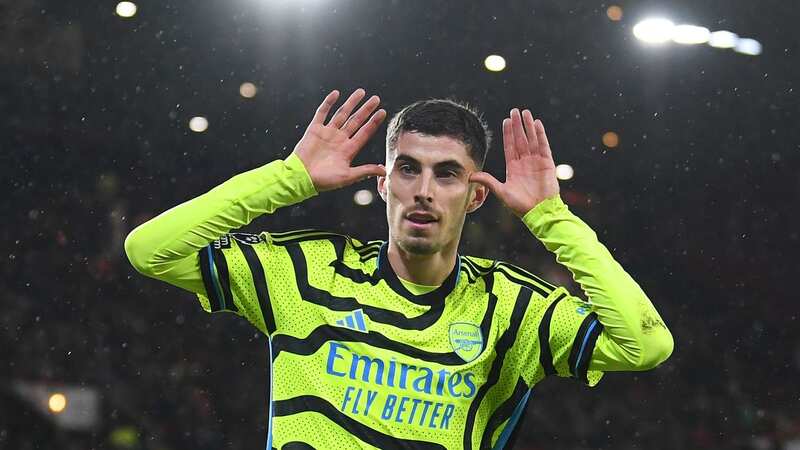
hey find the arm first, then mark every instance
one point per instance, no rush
(634, 336)
(166, 246)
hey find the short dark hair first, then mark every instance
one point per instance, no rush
(443, 117)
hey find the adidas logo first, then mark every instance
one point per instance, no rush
(354, 321)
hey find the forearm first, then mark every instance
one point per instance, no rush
(164, 243)
(634, 337)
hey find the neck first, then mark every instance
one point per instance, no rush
(429, 270)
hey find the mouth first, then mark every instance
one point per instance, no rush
(420, 225)
(421, 220)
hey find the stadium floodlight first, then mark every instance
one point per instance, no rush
(723, 39)
(748, 46)
(654, 30)
(690, 34)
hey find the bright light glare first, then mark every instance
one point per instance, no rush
(363, 197)
(690, 34)
(564, 172)
(248, 90)
(748, 47)
(723, 39)
(495, 63)
(654, 31)
(126, 9)
(57, 403)
(198, 124)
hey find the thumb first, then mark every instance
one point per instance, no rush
(487, 180)
(367, 170)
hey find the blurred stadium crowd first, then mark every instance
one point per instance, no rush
(172, 377)
(709, 248)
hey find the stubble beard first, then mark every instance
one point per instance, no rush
(418, 245)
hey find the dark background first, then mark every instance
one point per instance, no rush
(698, 202)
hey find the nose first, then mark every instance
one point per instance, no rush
(424, 188)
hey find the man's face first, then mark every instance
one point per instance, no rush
(427, 192)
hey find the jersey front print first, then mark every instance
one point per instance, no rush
(359, 361)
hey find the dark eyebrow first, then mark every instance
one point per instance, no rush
(451, 164)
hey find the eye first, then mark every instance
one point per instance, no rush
(448, 174)
(406, 169)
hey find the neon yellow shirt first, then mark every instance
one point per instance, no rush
(360, 360)
(416, 289)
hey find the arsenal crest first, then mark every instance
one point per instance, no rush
(466, 339)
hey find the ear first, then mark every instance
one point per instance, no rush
(382, 187)
(478, 197)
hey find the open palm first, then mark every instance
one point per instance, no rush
(327, 150)
(530, 170)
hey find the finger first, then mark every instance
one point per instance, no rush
(520, 141)
(343, 112)
(325, 107)
(544, 144)
(357, 119)
(367, 130)
(486, 179)
(508, 141)
(365, 171)
(530, 132)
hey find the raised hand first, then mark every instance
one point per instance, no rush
(327, 150)
(530, 170)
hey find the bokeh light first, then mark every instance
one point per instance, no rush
(495, 63)
(660, 30)
(126, 9)
(198, 124)
(748, 47)
(610, 139)
(690, 34)
(723, 39)
(654, 31)
(124, 437)
(564, 172)
(57, 403)
(248, 90)
(363, 197)
(614, 13)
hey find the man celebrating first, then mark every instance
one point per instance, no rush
(405, 343)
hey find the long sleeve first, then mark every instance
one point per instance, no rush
(634, 336)
(166, 247)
